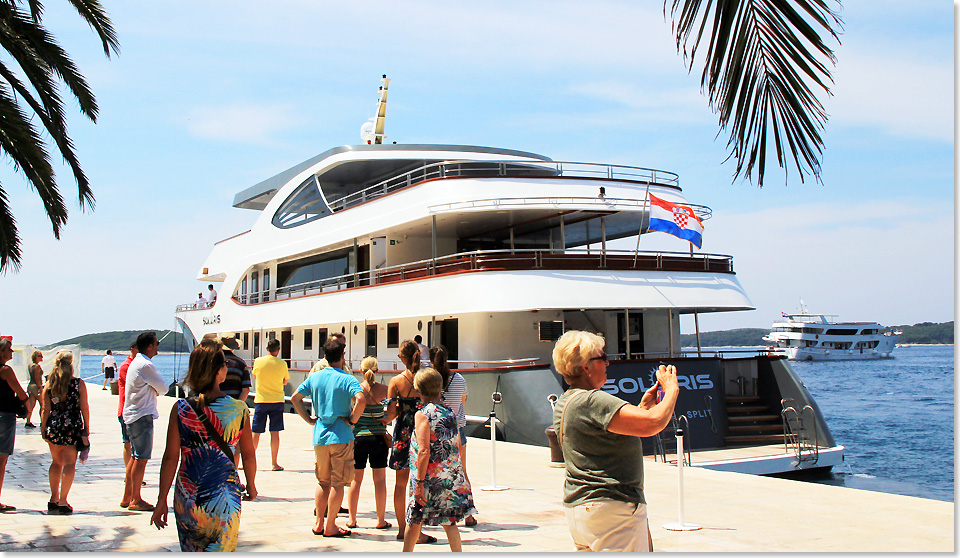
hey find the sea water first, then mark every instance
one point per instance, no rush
(894, 416)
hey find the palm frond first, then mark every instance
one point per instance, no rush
(98, 20)
(10, 253)
(765, 64)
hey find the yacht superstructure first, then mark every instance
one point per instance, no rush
(494, 253)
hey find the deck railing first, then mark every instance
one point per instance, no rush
(495, 260)
(501, 169)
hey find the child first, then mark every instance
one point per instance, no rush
(441, 493)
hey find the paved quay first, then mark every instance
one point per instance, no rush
(739, 513)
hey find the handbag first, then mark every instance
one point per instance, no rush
(84, 449)
(21, 408)
(211, 430)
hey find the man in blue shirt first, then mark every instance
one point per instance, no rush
(337, 401)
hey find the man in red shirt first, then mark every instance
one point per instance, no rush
(122, 376)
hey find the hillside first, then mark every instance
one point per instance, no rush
(119, 341)
(923, 333)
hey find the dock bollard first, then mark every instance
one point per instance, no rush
(681, 525)
(493, 452)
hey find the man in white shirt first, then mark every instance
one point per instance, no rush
(144, 383)
(108, 366)
(211, 295)
(424, 352)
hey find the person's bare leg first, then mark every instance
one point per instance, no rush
(400, 498)
(275, 448)
(31, 403)
(320, 499)
(355, 497)
(336, 498)
(54, 473)
(69, 457)
(411, 536)
(137, 469)
(463, 461)
(256, 440)
(453, 537)
(380, 493)
(3, 469)
(128, 461)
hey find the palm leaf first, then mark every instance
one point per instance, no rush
(765, 64)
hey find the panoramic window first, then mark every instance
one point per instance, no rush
(313, 269)
(304, 205)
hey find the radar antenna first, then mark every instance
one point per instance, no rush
(372, 129)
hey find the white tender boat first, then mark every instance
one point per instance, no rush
(494, 253)
(807, 336)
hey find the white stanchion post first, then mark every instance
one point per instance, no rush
(681, 525)
(493, 453)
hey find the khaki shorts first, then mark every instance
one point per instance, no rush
(334, 465)
(607, 525)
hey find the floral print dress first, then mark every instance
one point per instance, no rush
(449, 497)
(65, 421)
(403, 431)
(206, 499)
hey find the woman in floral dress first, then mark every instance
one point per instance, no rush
(441, 492)
(64, 422)
(207, 496)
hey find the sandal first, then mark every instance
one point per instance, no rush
(65, 510)
(4, 508)
(386, 525)
(340, 533)
(470, 521)
(53, 508)
(427, 539)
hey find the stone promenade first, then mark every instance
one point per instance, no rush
(739, 513)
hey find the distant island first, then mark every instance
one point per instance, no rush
(924, 333)
(119, 341)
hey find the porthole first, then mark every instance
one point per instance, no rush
(355, 330)
(420, 325)
(343, 330)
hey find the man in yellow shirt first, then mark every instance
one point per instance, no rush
(270, 374)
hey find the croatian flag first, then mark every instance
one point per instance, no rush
(678, 220)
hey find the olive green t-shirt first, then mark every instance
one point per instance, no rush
(600, 465)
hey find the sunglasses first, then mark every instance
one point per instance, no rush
(603, 357)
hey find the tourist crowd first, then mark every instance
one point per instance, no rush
(598, 433)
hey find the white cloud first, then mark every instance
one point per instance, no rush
(242, 122)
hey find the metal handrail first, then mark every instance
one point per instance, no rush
(502, 168)
(816, 433)
(472, 261)
(703, 212)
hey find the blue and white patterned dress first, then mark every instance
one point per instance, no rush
(449, 497)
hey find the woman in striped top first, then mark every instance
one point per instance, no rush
(371, 443)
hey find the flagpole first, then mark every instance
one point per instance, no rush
(696, 318)
(646, 196)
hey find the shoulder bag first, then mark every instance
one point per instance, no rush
(211, 430)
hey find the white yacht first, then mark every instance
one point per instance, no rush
(494, 253)
(806, 336)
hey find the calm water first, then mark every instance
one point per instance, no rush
(895, 417)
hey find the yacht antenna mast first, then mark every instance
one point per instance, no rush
(372, 130)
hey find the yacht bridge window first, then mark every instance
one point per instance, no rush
(304, 205)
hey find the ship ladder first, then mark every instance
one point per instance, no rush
(802, 441)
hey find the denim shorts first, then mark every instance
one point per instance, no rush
(8, 428)
(261, 411)
(463, 436)
(123, 431)
(140, 432)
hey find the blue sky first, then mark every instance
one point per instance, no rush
(209, 98)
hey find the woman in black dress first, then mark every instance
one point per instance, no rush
(65, 422)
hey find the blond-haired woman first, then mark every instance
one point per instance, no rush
(34, 384)
(370, 444)
(207, 496)
(64, 423)
(441, 492)
(600, 436)
(404, 403)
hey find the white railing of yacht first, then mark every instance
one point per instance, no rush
(532, 258)
(609, 204)
(486, 169)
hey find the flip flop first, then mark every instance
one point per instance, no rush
(470, 521)
(317, 533)
(340, 534)
(428, 539)
(277, 468)
(353, 526)
(4, 508)
(386, 525)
